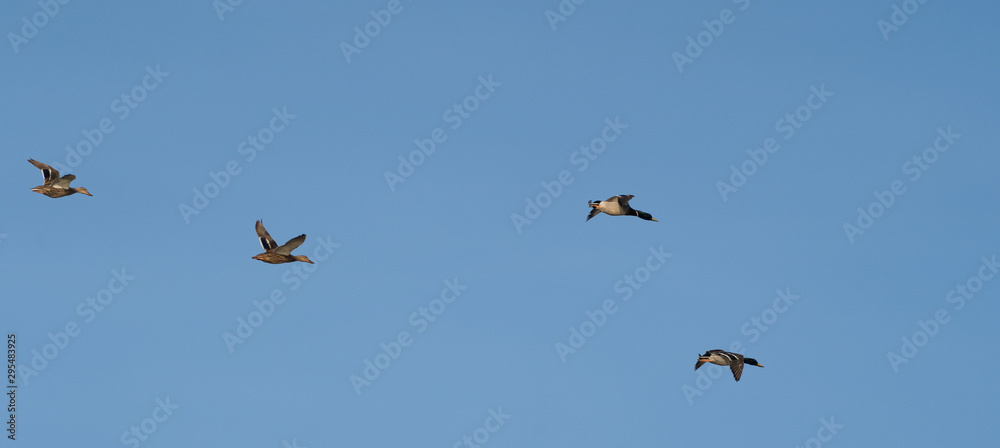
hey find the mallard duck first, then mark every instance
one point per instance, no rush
(617, 206)
(275, 254)
(735, 361)
(55, 186)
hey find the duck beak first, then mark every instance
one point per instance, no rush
(654, 219)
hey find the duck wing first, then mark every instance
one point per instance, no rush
(623, 200)
(736, 365)
(63, 182)
(266, 241)
(287, 248)
(50, 174)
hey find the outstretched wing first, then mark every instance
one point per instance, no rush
(63, 182)
(288, 247)
(623, 200)
(266, 241)
(50, 174)
(699, 364)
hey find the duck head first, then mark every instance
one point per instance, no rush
(751, 361)
(645, 216)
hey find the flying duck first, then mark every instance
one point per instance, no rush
(275, 254)
(617, 206)
(735, 361)
(55, 186)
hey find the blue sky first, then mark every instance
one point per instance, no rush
(823, 175)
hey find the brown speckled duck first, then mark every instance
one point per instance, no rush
(275, 254)
(55, 186)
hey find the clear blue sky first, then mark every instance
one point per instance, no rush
(309, 128)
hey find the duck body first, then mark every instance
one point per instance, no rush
(275, 254)
(56, 192)
(617, 206)
(54, 185)
(735, 361)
